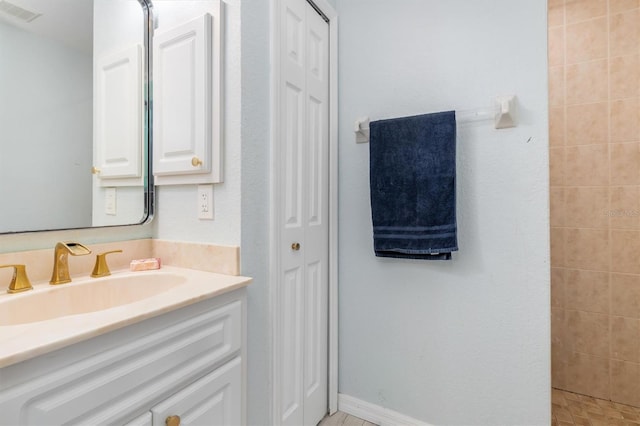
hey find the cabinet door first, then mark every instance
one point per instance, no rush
(213, 400)
(119, 116)
(182, 99)
(187, 99)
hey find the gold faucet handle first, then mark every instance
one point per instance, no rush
(20, 281)
(101, 269)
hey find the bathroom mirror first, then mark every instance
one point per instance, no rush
(74, 114)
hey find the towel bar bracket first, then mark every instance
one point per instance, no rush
(361, 129)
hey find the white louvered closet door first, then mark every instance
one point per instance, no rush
(303, 195)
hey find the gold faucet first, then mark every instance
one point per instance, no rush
(20, 281)
(61, 262)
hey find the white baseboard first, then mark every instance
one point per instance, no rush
(374, 413)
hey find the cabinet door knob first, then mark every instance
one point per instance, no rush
(295, 246)
(195, 162)
(173, 421)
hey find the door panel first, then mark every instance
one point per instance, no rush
(312, 336)
(317, 214)
(291, 318)
(302, 156)
(291, 284)
(316, 162)
(293, 152)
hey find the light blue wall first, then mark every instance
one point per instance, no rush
(465, 341)
(256, 139)
(177, 204)
(46, 97)
(74, 149)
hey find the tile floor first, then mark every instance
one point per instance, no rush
(568, 409)
(343, 419)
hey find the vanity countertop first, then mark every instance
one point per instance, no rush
(27, 340)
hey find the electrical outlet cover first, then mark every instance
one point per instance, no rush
(205, 202)
(110, 207)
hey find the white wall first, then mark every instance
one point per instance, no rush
(176, 217)
(45, 120)
(465, 341)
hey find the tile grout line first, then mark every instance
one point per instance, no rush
(565, 348)
(611, 250)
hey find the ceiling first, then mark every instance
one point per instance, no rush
(67, 21)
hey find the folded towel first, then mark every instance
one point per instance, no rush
(413, 186)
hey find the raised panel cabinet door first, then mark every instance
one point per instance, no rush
(182, 98)
(119, 132)
(187, 96)
(213, 400)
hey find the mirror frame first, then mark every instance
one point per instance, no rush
(147, 102)
(149, 190)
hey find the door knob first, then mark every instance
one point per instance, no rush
(173, 421)
(295, 246)
(195, 162)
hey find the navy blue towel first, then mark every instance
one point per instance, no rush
(413, 186)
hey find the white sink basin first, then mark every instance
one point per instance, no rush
(52, 317)
(85, 296)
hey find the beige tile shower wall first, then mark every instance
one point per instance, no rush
(594, 139)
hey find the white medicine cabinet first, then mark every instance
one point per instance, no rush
(187, 100)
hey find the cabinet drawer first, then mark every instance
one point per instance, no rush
(212, 400)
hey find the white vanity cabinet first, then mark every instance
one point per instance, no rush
(188, 363)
